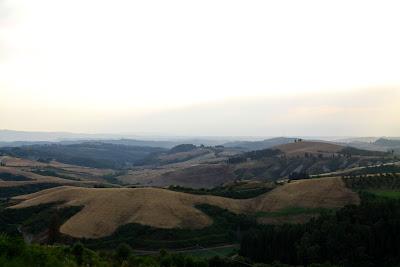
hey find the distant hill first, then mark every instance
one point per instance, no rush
(89, 154)
(182, 148)
(380, 144)
(294, 160)
(387, 142)
(311, 147)
(139, 143)
(258, 145)
(298, 160)
(200, 166)
(356, 139)
(18, 138)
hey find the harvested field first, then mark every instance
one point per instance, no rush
(80, 169)
(104, 210)
(33, 178)
(183, 156)
(309, 193)
(299, 148)
(53, 172)
(20, 163)
(195, 176)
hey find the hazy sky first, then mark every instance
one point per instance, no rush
(201, 67)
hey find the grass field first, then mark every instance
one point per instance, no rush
(300, 148)
(291, 215)
(207, 253)
(291, 211)
(386, 193)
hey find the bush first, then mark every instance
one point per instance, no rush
(123, 252)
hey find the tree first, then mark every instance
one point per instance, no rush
(77, 251)
(123, 252)
(54, 226)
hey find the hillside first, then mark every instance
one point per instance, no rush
(117, 155)
(218, 166)
(311, 147)
(12, 177)
(186, 165)
(27, 164)
(89, 154)
(258, 145)
(191, 175)
(22, 176)
(105, 209)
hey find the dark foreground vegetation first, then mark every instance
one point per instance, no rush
(14, 252)
(222, 191)
(43, 220)
(382, 169)
(382, 181)
(365, 235)
(42, 224)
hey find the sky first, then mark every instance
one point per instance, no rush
(215, 68)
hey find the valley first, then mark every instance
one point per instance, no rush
(182, 197)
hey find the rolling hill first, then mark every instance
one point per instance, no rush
(105, 209)
(187, 165)
(216, 168)
(258, 145)
(311, 147)
(22, 176)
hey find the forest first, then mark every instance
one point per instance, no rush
(364, 235)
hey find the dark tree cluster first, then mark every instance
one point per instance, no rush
(254, 155)
(222, 191)
(352, 151)
(365, 235)
(181, 148)
(364, 181)
(299, 175)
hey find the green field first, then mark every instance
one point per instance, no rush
(212, 252)
(290, 211)
(386, 193)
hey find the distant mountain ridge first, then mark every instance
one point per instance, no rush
(11, 138)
